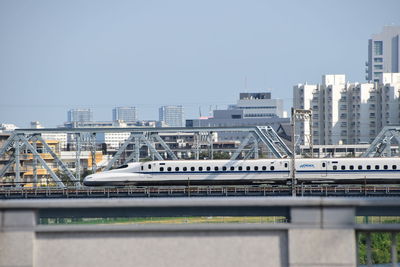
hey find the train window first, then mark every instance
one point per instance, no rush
(216, 168)
(192, 169)
(169, 169)
(265, 167)
(149, 166)
(240, 168)
(272, 168)
(232, 168)
(224, 168)
(334, 167)
(368, 167)
(122, 166)
(184, 169)
(176, 168)
(141, 168)
(360, 167)
(256, 168)
(208, 168)
(200, 168)
(385, 167)
(161, 169)
(394, 167)
(285, 164)
(343, 167)
(376, 167)
(351, 167)
(248, 168)
(323, 164)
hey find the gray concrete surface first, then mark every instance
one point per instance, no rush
(321, 232)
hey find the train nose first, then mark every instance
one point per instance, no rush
(86, 180)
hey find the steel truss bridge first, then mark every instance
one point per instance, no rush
(27, 139)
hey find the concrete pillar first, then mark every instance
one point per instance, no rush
(322, 237)
(17, 237)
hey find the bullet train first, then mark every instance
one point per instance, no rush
(307, 170)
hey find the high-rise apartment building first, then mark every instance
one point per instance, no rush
(172, 116)
(80, 115)
(348, 113)
(126, 114)
(383, 53)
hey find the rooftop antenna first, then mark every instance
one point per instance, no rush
(200, 111)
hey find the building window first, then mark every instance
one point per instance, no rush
(378, 67)
(378, 60)
(378, 48)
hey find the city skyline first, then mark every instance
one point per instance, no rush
(58, 56)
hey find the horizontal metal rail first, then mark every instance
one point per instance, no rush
(200, 191)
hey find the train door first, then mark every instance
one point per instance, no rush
(324, 168)
(286, 168)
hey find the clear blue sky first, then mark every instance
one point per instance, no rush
(57, 55)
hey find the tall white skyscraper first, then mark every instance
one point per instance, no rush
(127, 114)
(171, 115)
(348, 113)
(80, 115)
(383, 53)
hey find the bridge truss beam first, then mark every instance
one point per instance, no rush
(85, 139)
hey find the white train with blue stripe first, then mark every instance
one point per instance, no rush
(307, 170)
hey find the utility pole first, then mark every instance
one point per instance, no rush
(302, 115)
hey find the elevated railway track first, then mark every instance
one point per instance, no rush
(201, 191)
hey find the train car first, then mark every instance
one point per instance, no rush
(306, 170)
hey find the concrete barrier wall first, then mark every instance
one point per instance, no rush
(320, 233)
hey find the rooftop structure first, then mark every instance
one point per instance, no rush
(383, 53)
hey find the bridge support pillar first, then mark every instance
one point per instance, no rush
(322, 237)
(17, 237)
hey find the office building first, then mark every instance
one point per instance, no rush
(80, 115)
(383, 53)
(347, 113)
(259, 105)
(126, 114)
(172, 116)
